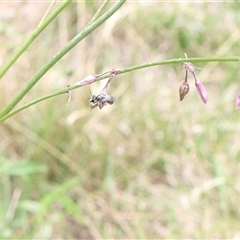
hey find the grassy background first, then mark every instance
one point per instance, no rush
(147, 167)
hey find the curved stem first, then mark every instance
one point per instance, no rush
(33, 103)
(181, 60)
(133, 68)
(43, 24)
(59, 55)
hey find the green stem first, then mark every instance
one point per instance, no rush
(59, 55)
(180, 60)
(99, 11)
(47, 12)
(32, 37)
(130, 69)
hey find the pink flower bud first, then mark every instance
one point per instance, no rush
(201, 90)
(238, 101)
(87, 80)
(183, 90)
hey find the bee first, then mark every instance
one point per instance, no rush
(101, 100)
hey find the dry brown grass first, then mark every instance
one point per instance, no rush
(147, 167)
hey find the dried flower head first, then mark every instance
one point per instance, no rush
(183, 90)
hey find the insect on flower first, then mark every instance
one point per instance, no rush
(103, 97)
(101, 100)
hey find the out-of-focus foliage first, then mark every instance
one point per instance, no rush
(148, 166)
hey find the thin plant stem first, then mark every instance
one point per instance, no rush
(58, 56)
(47, 12)
(126, 70)
(99, 11)
(181, 60)
(32, 37)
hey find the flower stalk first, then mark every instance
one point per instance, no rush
(65, 90)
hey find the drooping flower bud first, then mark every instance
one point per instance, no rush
(201, 90)
(238, 101)
(183, 90)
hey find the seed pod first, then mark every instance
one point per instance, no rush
(183, 90)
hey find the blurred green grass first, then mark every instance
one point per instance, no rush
(147, 167)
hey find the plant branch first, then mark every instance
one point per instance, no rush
(181, 60)
(126, 70)
(32, 37)
(59, 55)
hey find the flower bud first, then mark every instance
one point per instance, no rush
(183, 90)
(87, 80)
(238, 101)
(201, 90)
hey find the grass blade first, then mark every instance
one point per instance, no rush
(32, 37)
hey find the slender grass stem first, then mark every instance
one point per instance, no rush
(126, 70)
(43, 24)
(47, 12)
(99, 11)
(180, 60)
(59, 55)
